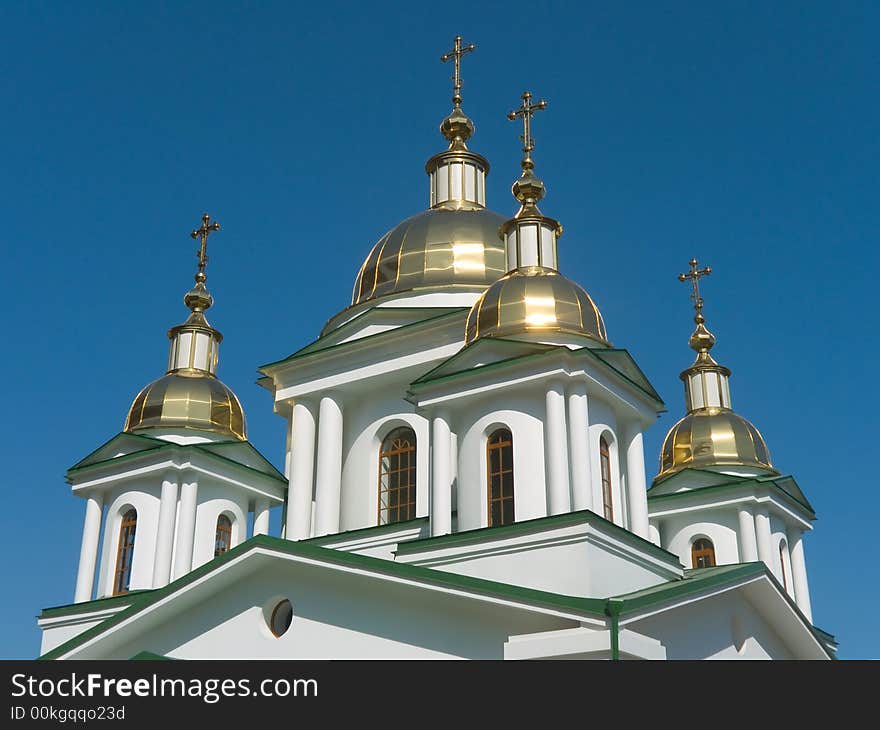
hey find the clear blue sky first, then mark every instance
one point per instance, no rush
(745, 133)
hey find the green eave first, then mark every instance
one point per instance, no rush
(698, 492)
(529, 596)
(584, 352)
(208, 448)
(526, 527)
(374, 531)
(313, 349)
(99, 604)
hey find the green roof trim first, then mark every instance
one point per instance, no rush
(540, 599)
(694, 581)
(583, 352)
(770, 483)
(150, 656)
(170, 445)
(99, 604)
(366, 531)
(310, 350)
(485, 534)
(451, 365)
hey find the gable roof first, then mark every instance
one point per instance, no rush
(125, 446)
(490, 353)
(729, 482)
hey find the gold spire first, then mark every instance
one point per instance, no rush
(701, 340)
(529, 189)
(198, 299)
(457, 127)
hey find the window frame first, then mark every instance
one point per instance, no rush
(125, 552)
(607, 483)
(701, 552)
(501, 445)
(227, 529)
(384, 478)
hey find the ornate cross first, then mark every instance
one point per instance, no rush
(457, 52)
(694, 275)
(203, 232)
(527, 111)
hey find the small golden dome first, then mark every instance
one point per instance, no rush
(713, 437)
(445, 246)
(182, 400)
(534, 299)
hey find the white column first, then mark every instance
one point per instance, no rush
(441, 474)
(556, 451)
(799, 571)
(302, 469)
(762, 528)
(261, 516)
(88, 551)
(186, 527)
(328, 474)
(165, 531)
(636, 485)
(579, 447)
(748, 539)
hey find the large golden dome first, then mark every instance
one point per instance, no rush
(713, 437)
(534, 299)
(193, 401)
(445, 246)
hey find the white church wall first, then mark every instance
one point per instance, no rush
(214, 500)
(725, 626)
(333, 617)
(720, 526)
(575, 560)
(366, 422)
(473, 422)
(143, 495)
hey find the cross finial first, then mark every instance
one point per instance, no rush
(456, 53)
(694, 276)
(527, 111)
(203, 232)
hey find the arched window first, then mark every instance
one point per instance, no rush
(223, 535)
(499, 460)
(703, 553)
(397, 477)
(605, 462)
(782, 564)
(125, 552)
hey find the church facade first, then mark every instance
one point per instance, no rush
(465, 475)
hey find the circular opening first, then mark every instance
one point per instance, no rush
(282, 615)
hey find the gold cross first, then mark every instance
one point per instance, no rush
(203, 232)
(457, 52)
(527, 111)
(694, 275)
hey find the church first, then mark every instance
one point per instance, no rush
(465, 474)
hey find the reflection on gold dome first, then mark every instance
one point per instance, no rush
(192, 401)
(713, 437)
(442, 247)
(534, 299)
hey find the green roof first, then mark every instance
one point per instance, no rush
(99, 604)
(786, 485)
(151, 445)
(478, 586)
(486, 534)
(319, 346)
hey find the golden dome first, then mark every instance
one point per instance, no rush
(445, 246)
(181, 400)
(713, 437)
(534, 299)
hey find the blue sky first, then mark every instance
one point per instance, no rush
(743, 133)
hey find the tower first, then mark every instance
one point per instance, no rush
(178, 486)
(717, 498)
